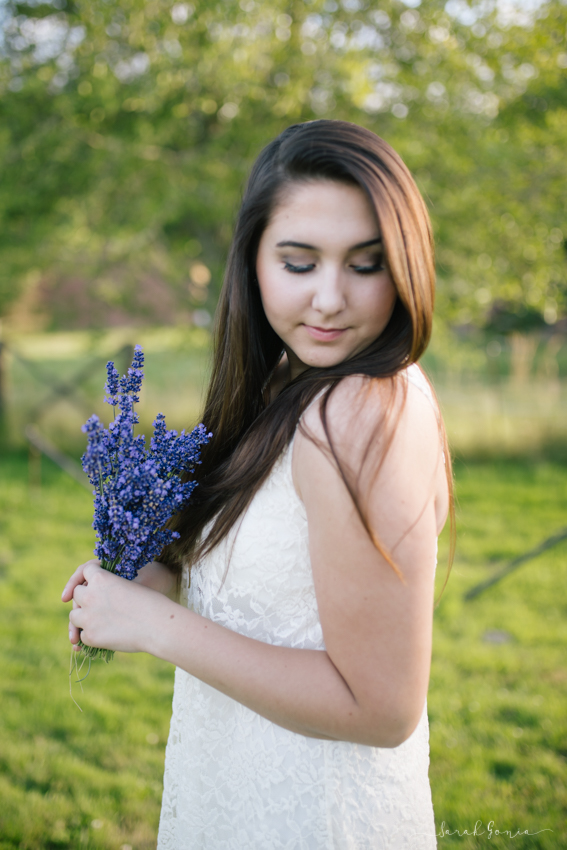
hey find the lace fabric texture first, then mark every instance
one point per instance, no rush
(236, 781)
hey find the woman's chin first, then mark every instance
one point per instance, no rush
(318, 363)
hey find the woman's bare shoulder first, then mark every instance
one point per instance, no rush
(361, 408)
(354, 397)
(375, 426)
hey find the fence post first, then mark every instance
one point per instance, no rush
(34, 469)
(3, 402)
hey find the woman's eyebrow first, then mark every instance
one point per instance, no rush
(370, 242)
(291, 244)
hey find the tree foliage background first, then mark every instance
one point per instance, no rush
(127, 129)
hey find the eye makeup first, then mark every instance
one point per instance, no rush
(374, 268)
(366, 263)
(296, 268)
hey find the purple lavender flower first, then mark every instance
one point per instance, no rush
(112, 386)
(131, 383)
(137, 489)
(96, 460)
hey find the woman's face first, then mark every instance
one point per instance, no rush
(320, 270)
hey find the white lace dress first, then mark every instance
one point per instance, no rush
(234, 780)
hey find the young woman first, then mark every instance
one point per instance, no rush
(302, 637)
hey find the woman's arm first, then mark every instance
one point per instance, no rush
(369, 685)
(276, 682)
(377, 628)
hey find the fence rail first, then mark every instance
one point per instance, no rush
(63, 461)
(57, 390)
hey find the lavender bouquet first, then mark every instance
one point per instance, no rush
(137, 489)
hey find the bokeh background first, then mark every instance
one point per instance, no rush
(126, 133)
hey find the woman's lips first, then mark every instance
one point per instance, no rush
(324, 334)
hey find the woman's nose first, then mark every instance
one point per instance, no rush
(329, 295)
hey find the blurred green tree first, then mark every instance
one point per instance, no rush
(127, 129)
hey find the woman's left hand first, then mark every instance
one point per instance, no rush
(114, 613)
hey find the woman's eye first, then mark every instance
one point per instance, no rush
(378, 266)
(289, 267)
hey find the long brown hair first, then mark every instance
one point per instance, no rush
(249, 431)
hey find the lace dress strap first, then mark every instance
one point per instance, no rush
(416, 376)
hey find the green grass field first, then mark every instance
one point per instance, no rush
(92, 779)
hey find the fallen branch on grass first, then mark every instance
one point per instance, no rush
(513, 565)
